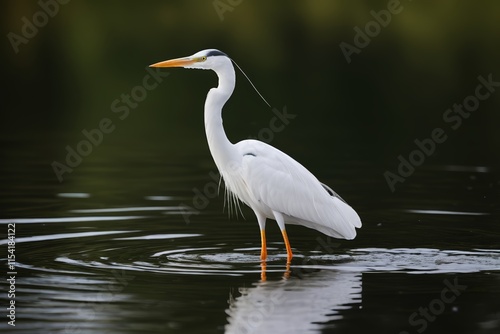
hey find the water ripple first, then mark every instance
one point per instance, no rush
(65, 219)
(127, 209)
(63, 236)
(226, 261)
(443, 212)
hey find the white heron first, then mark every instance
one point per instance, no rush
(269, 181)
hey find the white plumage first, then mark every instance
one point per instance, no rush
(278, 183)
(270, 182)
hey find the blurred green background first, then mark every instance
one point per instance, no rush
(65, 78)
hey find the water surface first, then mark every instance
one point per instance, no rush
(142, 243)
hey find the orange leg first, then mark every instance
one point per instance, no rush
(263, 249)
(287, 272)
(288, 248)
(263, 267)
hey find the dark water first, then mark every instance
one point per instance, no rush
(139, 242)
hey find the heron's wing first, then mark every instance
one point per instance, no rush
(282, 184)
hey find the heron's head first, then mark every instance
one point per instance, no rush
(206, 59)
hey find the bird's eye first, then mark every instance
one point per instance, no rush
(203, 58)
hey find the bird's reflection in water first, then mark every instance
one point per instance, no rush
(263, 271)
(298, 304)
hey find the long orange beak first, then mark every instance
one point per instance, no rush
(178, 62)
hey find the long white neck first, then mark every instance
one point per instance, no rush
(223, 151)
